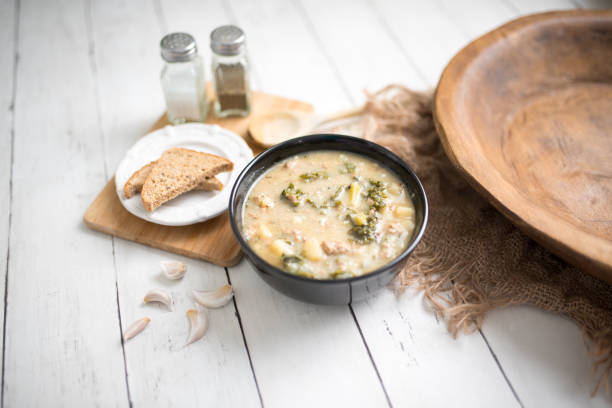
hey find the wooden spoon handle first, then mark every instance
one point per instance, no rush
(346, 113)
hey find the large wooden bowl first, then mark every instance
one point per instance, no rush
(525, 112)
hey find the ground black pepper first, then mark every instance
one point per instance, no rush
(230, 68)
(231, 87)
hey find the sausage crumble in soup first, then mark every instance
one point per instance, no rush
(328, 215)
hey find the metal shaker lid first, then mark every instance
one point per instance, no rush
(227, 40)
(178, 47)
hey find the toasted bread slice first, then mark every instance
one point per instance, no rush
(134, 184)
(177, 171)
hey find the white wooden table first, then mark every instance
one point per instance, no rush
(79, 85)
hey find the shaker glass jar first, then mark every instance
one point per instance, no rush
(183, 80)
(230, 70)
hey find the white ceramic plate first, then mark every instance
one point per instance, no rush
(194, 206)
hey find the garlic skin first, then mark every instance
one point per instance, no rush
(173, 270)
(160, 296)
(214, 298)
(135, 328)
(198, 322)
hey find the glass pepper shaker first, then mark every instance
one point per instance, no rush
(230, 68)
(183, 80)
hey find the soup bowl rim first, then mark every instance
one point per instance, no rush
(303, 141)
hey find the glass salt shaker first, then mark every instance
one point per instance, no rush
(183, 80)
(230, 70)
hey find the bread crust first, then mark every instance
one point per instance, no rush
(134, 184)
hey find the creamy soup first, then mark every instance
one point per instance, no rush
(328, 215)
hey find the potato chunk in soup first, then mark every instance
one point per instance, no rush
(328, 215)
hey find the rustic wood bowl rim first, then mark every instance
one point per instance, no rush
(577, 246)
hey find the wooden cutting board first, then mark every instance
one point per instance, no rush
(212, 240)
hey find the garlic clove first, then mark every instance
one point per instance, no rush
(214, 298)
(135, 328)
(159, 295)
(198, 322)
(173, 270)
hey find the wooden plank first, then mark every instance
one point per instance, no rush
(376, 61)
(544, 356)
(303, 355)
(530, 7)
(480, 17)
(421, 364)
(8, 25)
(414, 354)
(114, 41)
(423, 32)
(161, 371)
(290, 65)
(62, 333)
(593, 4)
(321, 347)
(190, 18)
(213, 372)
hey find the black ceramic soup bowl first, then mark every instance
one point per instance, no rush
(338, 291)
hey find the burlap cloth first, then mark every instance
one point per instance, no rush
(472, 259)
